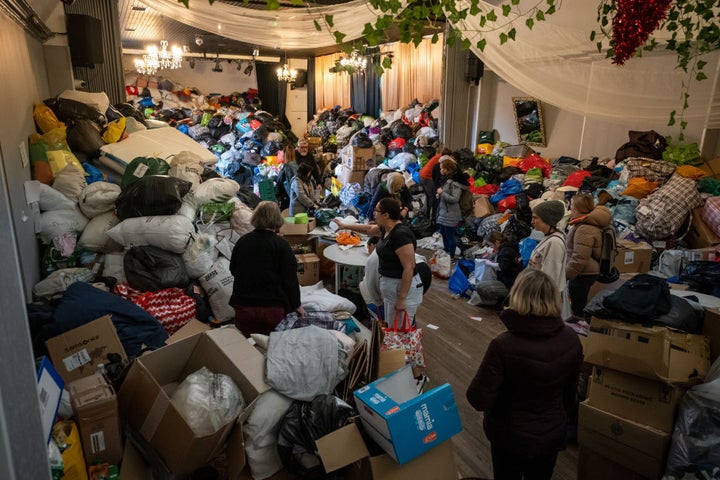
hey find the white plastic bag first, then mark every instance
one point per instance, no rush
(208, 401)
(97, 198)
(441, 264)
(95, 237)
(483, 271)
(58, 222)
(200, 255)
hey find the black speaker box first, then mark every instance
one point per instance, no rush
(85, 40)
(474, 68)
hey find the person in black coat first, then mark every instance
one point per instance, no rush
(527, 381)
(266, 286)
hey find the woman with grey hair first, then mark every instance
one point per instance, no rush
(266, 286)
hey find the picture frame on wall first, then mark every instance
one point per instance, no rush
(529, 122)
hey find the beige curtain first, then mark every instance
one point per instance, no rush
(415, 74)
(330, 88)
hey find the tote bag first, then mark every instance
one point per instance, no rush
(407, 338)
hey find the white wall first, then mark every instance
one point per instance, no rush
(296, 106)
(567, 133)
(201, 77)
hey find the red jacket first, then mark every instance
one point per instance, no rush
(426, 171)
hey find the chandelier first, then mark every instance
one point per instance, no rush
(355, 61)
(285, 74)
(159, 59)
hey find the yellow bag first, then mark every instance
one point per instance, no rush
(484, 148)
(45, 118)
(114, 131)
(335, 187)
(510, 161)
(52, 147)
(65, 433)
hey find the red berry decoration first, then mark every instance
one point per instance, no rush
(634, 22)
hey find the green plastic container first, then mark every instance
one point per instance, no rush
(301, 218)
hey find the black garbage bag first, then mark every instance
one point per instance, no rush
(422, 226)
(361, 140)
(465, 159)
(703, 277)
(271, 148)
(219, 131)
(67, 110)
(84, 136)
(128, 110)
(401, 129)
(260, 134)
(215, 121)
(149, 268)
(304, 423)
(152, 195)
(331, 201)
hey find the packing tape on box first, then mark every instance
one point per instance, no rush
(154, 416)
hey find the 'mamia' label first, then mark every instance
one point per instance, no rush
(77, 360)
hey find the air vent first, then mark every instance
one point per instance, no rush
(138, 8)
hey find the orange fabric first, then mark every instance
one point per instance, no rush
(688, 171)
(639, 187)
(347, 238)
(426, 171)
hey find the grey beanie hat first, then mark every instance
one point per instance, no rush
(550, 212)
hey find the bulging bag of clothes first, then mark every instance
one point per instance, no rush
(152, 195)
(150, 268)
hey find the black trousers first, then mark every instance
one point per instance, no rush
(578, 289)
(507, 466)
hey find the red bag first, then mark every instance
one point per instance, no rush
(171, 307)
(408, 338)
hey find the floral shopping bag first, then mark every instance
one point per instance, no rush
(407, 337)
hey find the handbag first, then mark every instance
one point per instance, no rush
(408, 338)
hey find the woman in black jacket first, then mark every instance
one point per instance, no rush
(527, 381)
(266, 286)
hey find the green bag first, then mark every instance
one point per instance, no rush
(487, 136)
(142, 166)
(216, 212)
(53, 260)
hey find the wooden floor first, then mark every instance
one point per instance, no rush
(453, 353)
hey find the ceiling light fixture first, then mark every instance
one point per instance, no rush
(356, 61)
(285, 74)
(218, 68)
(164, 58)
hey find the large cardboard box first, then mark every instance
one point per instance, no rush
(657, 353)
(594, 466)
(633, 257)
(78, 352)
(700, 234)
(345, 447)
(50, 388)
(712, 167)
(648, 402)
(711, 329)
(404, 423)
(308, 269)
(95, 409)
(361, 159)
(298, 228)
(145, 395)
(638, 448)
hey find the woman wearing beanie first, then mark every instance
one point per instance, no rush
(549, 255)
(452, 182)
(584, 242)
(393, 186)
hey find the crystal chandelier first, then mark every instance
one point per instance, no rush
(355, 61)
(285, 74)
(162, 59)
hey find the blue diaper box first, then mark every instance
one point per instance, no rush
(404, 423)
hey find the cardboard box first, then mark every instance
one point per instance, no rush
(78, 352)
(145, 395)
(711, 329)
(638, 448)
(345, 447)
(648, 402)
(95, 409)
(308, 269)
(657, 353)
(593, 466)
(700, 234)
(360, 159)
(404, 423)
(193, 327)
(298, 228)
(50, 387)
(712, 167)
(482, 207)
(133, 465)
(314, 142)
(633, 257)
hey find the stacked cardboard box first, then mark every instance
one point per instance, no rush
(639, 376)
(633, 257)
(359, 159)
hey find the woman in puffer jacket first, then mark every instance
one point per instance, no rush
(452, 184)
(584, 245)
(527, 381)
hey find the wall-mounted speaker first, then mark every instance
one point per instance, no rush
(84, 40)
(474, 68)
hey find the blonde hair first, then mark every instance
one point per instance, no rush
(448, 164)
(583, 202)
(534, 293)
(267, 215)
(394, 181)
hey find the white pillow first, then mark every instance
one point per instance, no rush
(316, 298)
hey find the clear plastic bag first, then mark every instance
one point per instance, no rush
(208, 401)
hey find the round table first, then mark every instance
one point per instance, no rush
(354, 256)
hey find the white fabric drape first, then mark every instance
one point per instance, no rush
(285, 28)
(416, 73)
(331, 89)
(557, 62)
